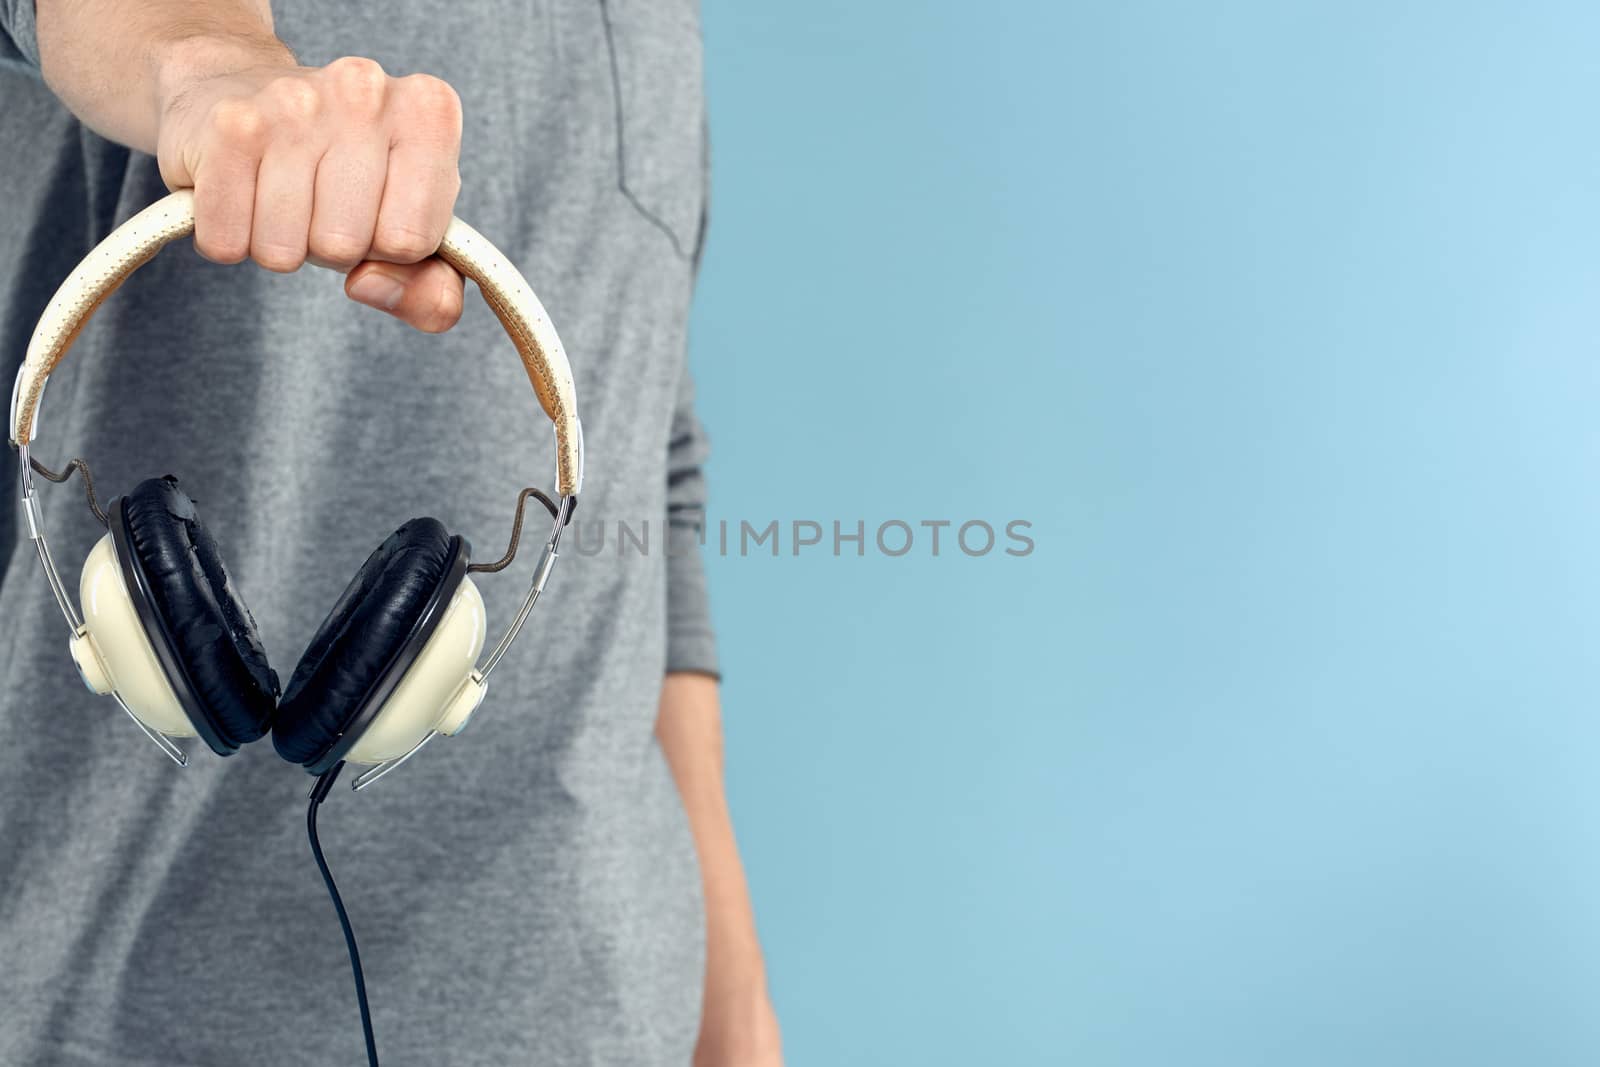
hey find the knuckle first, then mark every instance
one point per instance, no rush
(434, 98)
(358, 69)
(449, 311)
(280, 259)
(238, 122)
(295, 97)
(361, 81)
(437, 321)
(403, 243)
(220, 248)
(446, 312)
(340, 249)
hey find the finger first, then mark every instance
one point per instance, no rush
(349, 183)
(420, 190)
(283, 208)
(225, 182)
(426, 295)
(418, 198)
(348, 190)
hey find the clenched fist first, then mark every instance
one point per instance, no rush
(340, 166)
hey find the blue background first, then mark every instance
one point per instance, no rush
(1278, 322)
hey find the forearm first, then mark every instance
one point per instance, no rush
(117, 63)
(738, 1026)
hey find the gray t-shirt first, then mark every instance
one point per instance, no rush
(527, 892)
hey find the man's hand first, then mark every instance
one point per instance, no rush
(340, 166)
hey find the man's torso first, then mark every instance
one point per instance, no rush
(525, 893)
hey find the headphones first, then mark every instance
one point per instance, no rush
(165, 633)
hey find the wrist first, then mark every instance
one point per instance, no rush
(181, 62)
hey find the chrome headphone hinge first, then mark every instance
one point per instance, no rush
(541, 575)
(30, 506)
(41, 545)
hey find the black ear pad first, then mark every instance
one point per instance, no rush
(203, 623)
(377, 619)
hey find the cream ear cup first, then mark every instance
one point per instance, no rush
(440, 689)
(113, 652)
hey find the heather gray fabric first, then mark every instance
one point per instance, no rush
(526, 893)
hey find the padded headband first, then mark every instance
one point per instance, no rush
(134, 243)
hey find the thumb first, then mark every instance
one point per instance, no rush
(426, 295)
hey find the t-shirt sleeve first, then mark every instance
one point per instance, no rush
(691, 642)
(19, 43)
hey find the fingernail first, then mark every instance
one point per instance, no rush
(378, 290)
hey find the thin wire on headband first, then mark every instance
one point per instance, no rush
(319, 793)
(82, 467)
(516, 532)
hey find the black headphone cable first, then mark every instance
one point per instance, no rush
(319, 793)
(82, 467)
